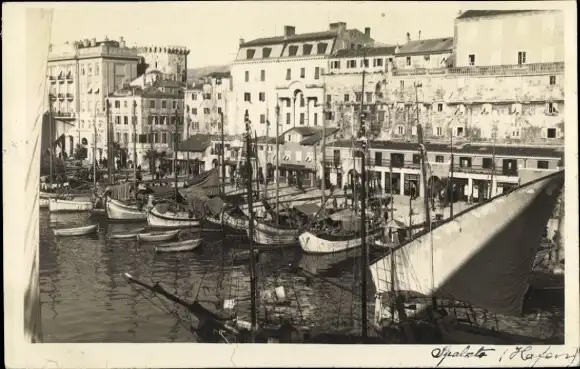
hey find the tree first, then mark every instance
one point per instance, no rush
(80, 152)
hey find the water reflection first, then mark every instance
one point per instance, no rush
(85, 298)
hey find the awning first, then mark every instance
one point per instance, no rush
(311, 210)
(395, 224)
(293, 167)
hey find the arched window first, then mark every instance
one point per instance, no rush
(84, 141)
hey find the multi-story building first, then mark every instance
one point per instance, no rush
(286, 71)
(171, 61)
(472, 98)
(154, 113)
(81, 75)
(205, 100)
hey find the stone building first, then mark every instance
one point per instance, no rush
(171, 61)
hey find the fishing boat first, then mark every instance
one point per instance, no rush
(180, 219)
(76, 231)
(58, 205)
(236, 220)
(125, 235)
(324, 243)
(267, 234)
(157, 236)
(117, 210)
(188, 245)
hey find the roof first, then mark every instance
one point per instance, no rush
(303, 130)
(264, 139)
(197, 143)
(488, 13)
(312, 36)
(430, 46)
(373, 51)
(520, 151)
(313, 139)
(155, 89)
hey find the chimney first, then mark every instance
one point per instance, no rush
(121, 43)
(368, 31)
(408, 37)
(241, 41)
(93, 42)
(86, 42)
(289, 31)
(419, 37)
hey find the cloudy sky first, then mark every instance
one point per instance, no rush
(211, 30)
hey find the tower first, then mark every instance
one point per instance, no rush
(169, 60)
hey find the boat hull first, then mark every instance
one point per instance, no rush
(181, 246)
(77, 231)
(268, 235)
(237, 223)
(56, 205)
(313, 244)
(116, 210)
(155, 237)
(125, 235)
(482, 256)
(170, 220)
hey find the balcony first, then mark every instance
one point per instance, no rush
(52, 96)
(63, 115)
(474, 169)
(61, 96)
(409, 164)
(510, 69)
(52, 79)
(69, 96)
(61, 78)
(333, 163)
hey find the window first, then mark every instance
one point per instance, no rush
(328, 115)
(287, 118)
(552, 80)
(219, 110)
(247, 76)
(117, 104)
(408, 61)
(416, 159)
(125, 103)
(381, 116)
(306, 49)
(439, 107)
(219, 95)
(378, 62)
(125, 137)
(400, 130)
(193, 111)
(521, 57)
(346, 98)
(301, 119)
(439, 158)
(298, 156)
(288, 74)
(117, 136)
(301, 101)
(262, 75)
(250, 53)
(459, 131)
(262, 118)
(289, 138)
(335, 64)
(487, 163)
(262, 96)
(464, 162)
(117, 119)
(543, 164)
(163, 104)
(163, 137)
(288, 103)
(552, 108)
(369, 96)
(206, 111)
(321, 47)
(247, 97)
(551, 132)
(150, 120)
(292, 50)
(401, 84)
(316, 72)
(266, 52)
(351, 64)
(125, 120)
(471, 59)
(194, 96)
(315, 119)
(207, 96)
(328, 98)
(364, 63)
(302, 72)
(358, 96)
(439, 131)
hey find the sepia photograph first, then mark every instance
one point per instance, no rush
(318, 175)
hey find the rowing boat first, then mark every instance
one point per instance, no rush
(324, 243)
(118, 211)
(59, 205)
(125, 235)
(171, 220)
(77, 231)
(180, 246)
(157, 236)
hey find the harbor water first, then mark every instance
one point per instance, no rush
(84, 297)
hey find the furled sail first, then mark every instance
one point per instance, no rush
(38, 27)
(208, 182)
(482, 256)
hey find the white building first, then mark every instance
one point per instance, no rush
(205, 102)
(286, 71)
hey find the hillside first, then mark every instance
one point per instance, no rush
(194, 73)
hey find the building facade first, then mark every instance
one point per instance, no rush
(81, 75)
(205, 103)
(286, 71)
(171, 61)
(146, 120)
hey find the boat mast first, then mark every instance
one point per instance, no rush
(95, 147)
(363, 139)
(134, 118)
(50, 135)
(424, 175)
(257, 165)
(110, 154)
(492, 166)
(175, 153)
(277, 155)
(266, 154)
(323, 144)
(253, 282)
(222, 154)
(451, 178)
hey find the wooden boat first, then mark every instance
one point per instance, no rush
(157, 236)
(125, 235)
(266, 234)
(171, 220)
(57, 205)
(118, 211)
(180, 246)
(238, 223)
(455, 255)
(322, 243)
(77, 231)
